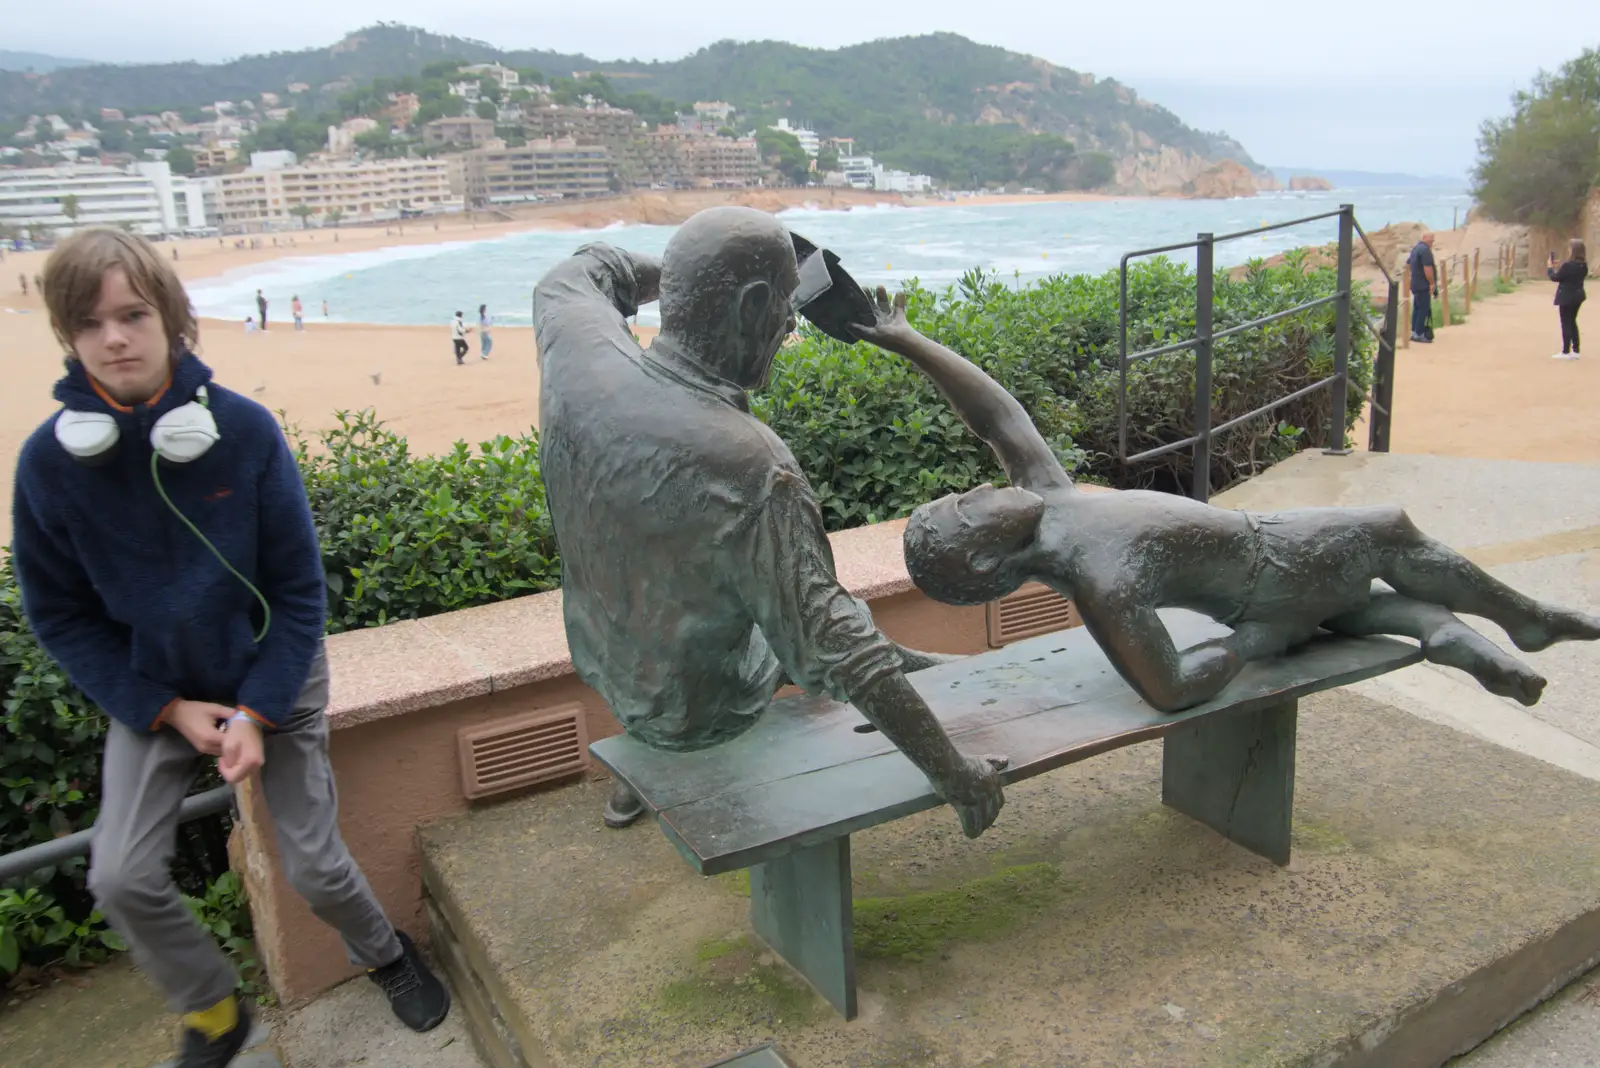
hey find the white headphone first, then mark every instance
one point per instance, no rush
(180, 436)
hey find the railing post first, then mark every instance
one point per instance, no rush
(1204, 270)
(1341, 333)
(1381, 419)
(1122, 369)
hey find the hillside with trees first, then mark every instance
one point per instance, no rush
(971, 115)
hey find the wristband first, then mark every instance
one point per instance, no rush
(237, 716)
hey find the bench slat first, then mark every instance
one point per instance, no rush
(803, 775)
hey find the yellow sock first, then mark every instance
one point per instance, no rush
(216, 1021)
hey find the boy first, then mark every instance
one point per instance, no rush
(152, 516)
(1274, 579)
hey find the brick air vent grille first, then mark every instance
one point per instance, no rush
(1023, 613)
(519, 751)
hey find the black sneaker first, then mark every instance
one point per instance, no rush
(201, 1052)
(416, 995)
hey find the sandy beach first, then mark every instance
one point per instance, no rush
(1449, 399)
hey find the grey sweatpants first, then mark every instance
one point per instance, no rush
(145, 778)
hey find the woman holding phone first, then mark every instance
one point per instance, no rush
(1568, 278)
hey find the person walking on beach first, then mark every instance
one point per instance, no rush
(296, 310)
(261, 306)
(1570, 295)
(324, 309)
(458, 337)
(22, 280)
(180, 586)
(1424, 286)
(485, 342)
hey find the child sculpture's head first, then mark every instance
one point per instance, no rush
(120, 310)
(964, 549)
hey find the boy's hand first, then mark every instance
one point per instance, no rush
(242, 752)
(890, 330)
(198, 722)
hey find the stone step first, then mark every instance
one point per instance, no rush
(1440, 887)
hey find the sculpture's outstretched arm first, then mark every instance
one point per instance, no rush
(983, 404)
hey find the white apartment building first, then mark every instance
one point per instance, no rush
(505, 77)
(359, 191)
(808, 138)
(147, 197)
(888, 181)
(858, 171)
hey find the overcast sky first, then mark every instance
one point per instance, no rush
(1362, 84)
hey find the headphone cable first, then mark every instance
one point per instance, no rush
(266, 610)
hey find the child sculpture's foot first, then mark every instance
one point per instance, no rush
(1459, 646)
(1557, 625)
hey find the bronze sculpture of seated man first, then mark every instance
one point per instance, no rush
(1275, 579)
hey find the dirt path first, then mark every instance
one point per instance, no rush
(1489, 388)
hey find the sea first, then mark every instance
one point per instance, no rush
(879, 245)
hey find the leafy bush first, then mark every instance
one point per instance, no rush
(876, 439)
(874, 436)
(224, 911)
(409, 536)
(34, 929)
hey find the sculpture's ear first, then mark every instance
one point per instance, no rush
(984, 561)
(754, 298)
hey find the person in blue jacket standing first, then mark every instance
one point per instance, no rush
(169, 563)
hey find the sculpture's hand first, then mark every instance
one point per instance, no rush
(889, 330)
(975, 792)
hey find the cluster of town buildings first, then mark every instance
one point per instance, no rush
(564, 151)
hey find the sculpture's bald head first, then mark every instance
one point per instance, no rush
(726, 282)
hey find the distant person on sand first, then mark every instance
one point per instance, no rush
(1568, 278)
(22, 280)
(261, 305)
(297, 311)
(485, 342)
(324, 309)
(249, 324)
(38, 285)
(458, 337)
(1424, 287)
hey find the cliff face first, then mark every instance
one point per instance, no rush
(1224, 181)
(1309, 183)
(1168, 171)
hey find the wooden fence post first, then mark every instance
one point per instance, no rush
(1466, 283)
(1444, 293)
(1475, 271)
(1405, 307)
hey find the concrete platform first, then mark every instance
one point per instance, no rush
(1440, 887)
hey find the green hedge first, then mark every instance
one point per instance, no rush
(408, 536)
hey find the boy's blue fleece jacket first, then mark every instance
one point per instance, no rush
(128, 601)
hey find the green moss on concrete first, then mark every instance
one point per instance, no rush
(1314, 836)
(737, 984)
(910, 927)
(721, 947)
(736, 881)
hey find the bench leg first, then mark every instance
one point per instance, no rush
(800, 906)
(1234, 772)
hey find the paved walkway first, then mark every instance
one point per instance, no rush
(1489, 388)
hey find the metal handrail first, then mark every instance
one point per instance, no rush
(48, 854)
(1205, 339)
